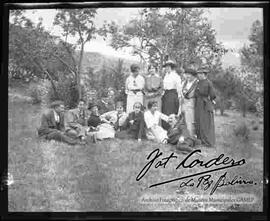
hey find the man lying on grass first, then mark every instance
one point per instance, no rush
(53, 125)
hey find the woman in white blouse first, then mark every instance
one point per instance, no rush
(152, 119)
(134, 88)
(173, 92)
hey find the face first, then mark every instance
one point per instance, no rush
(60, 109)
(119, 109)
(152, 70)
(81, 105)
(168, 68)
(94, 110)
(137, 108)
(135, 73)
(201, 76)
(111, 93)
(172, 120)
(154, 107)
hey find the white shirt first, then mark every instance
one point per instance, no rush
(56, 117)
(134, 83)
(153, 119)
(173, 81)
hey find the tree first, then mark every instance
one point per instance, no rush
(33, 52)
(77, 23)
(181, 33)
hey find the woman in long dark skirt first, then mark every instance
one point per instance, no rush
(172, 86)
(204, 109)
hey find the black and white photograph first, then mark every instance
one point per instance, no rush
(135, 109)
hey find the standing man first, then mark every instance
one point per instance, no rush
(53, 124)
(173, 92)
(134, 87)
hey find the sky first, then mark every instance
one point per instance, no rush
(232, 26)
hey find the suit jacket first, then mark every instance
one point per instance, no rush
(73, 120)
(49, 125)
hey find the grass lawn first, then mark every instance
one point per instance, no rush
(51, 176)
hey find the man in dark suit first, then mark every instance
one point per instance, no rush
(53, 125)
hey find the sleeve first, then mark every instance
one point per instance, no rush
(212, 93)
(149, 123)
(123, 119)
(106, 115)
(126, 86)
(178, 83)
(164, 117)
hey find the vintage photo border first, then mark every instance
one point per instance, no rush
(138, 215)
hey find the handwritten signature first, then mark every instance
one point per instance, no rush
(205, 178)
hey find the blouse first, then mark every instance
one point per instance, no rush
(153, 119)
(173, 81)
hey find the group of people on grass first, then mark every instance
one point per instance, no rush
(173, 110)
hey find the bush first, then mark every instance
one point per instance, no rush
(39, 92)
(242, 132)
(67, 91)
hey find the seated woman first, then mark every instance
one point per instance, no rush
(179, 135)
(104, 126)
(133, 127)
(152, 119)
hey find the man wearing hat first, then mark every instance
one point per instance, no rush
(188, 101)
(173, 91)
(134, 87)
(53, 125)
(204, 109)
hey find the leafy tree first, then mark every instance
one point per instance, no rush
(77, 23)
(181, 33)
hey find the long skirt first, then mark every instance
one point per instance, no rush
(188, 107)
(205, 127)
(131, 99)
(157, 99)
(156, 133)
(105, 131)
(170, 105)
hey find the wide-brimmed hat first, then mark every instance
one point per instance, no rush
(134, 67)
(56, 103)
(190, 71)
(169, 63)
(91, 105)
(203, 69)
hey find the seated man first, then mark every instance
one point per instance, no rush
(76, 121)
(53, 125)
(134, 126)
(178, 134)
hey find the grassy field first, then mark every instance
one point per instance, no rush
(51, 176)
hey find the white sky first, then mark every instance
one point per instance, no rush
(232, 26)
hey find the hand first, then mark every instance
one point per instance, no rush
(131, 122)
(139, 140)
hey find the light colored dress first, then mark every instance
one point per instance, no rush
(188, 106)
(133, 89)
(116, 120)
(153, 130)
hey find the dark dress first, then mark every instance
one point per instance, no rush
(170, 105)
(180, 129)
(204, 112)
(135, 130)
(94, 120)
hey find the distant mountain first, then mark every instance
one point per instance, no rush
(96, 60)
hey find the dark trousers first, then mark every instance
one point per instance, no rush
(58, 136)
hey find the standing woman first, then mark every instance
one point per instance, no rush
(188, 106)
(134, 87)
(204, 110)
(153, 87)
(173, 92)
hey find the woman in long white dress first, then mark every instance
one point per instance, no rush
(152, 118)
